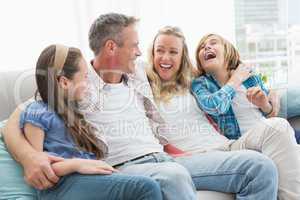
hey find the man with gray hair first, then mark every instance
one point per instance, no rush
(117, 105)
(120, 104)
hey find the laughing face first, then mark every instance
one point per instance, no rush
(129, 51)
(168, 50)
(211, 55)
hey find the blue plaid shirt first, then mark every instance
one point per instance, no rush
(216, 101)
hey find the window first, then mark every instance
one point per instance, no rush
(263, 26)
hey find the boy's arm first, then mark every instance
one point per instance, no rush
(267, 100)
(274, 99)
(213, 103)
(37, 165)
(259, 98)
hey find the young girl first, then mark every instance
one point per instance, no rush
(53, 124)
(228, 91)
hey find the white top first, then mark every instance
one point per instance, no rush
(246, 113)
(118, 111)
(189, 129)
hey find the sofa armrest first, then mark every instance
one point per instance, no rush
(295, 122)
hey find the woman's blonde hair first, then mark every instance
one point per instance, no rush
(231, 55)
(164, 91)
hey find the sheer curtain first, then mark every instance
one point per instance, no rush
(29, 26)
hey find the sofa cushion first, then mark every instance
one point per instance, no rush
(2, 124)
(16, 87)
(290, 102)
(212, 195)
(12, 184)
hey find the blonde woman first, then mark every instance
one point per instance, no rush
(212, 154)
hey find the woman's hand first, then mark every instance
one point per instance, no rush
(85, 166)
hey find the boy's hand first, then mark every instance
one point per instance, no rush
(239, 75)
(257, 97)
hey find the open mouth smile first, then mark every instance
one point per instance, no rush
(209, 55)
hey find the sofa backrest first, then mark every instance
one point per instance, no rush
(16, 86)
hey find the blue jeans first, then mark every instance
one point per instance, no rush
(174, 180)
(248, 174)
(103, 187)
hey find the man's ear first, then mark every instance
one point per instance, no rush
(110, 47)
(63, 82)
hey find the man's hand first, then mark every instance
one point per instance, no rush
(257, 97)
(38, 172)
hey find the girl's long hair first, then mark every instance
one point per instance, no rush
(47, 77)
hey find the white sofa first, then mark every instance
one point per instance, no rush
(19, 85)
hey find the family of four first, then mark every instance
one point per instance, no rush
(102, 130)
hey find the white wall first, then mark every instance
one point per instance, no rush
(29, 26)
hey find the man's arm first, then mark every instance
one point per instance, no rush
(37, 165)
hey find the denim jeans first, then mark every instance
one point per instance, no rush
(174, 180)
(248, 174)
(274, 138)
(103, 187)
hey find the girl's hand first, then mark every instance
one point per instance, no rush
(85, 166)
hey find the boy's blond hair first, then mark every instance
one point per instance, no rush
(231, 55)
